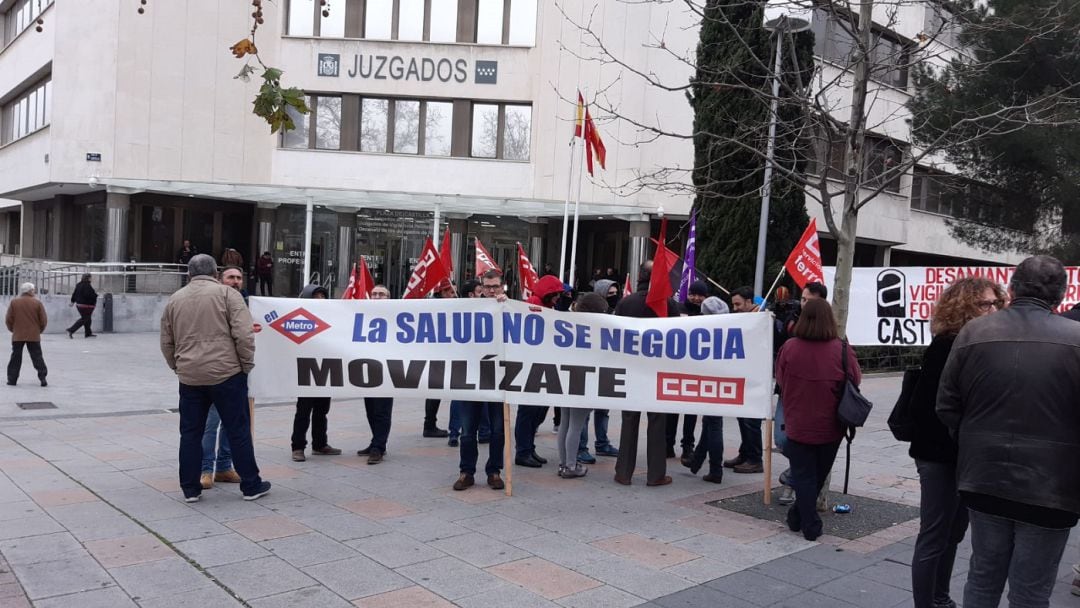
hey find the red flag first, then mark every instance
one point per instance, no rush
(427, 274)
(366, 282)
(526, 272)
(672, 257)
(627, 290)
(445, 254)
(804, 263)
(579, 117)
(660, 282)
(585, 128)
(484, 262)
(350, 289)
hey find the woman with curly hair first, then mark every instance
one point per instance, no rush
(943, 518)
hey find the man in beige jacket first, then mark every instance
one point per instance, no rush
(207, 339)
(26, 319)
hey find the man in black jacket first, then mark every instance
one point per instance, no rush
(1010, 394)
(84, 299)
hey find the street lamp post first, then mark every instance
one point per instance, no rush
(781, 17)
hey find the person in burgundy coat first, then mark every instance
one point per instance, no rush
(809, 370)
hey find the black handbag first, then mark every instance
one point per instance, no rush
(853, 408)
(902, 419)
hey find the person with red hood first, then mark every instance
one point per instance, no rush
(529, 417)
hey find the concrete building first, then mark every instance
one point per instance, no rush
(124, 134)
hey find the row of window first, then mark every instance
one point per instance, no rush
(834, 41)
(882, 155)
(413, 126)
(20, 16)
(26, 113)
(954, 196)
(490, 21)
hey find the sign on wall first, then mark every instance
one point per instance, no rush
(893, 306)
(366, 66)
(483, 350)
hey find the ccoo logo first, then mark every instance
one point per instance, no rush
(299, 326)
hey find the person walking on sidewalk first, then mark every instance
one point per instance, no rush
(1009, 394)
(26, 320)
(943, 518)
(312, 410)
(84, 299)
(207, 339)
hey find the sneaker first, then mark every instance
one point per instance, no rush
(464, 481)
(298, 456)
(748, 468)
(262, 490)
(495, 482)
(607, 450)
(207, 481)
(585, 457)
(436, 432)
(325, 451)
(375, 457)
(194, 498)
(229, 476)
(453, 442)
(787, 495)
(574, 472)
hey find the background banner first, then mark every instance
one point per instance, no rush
(483, 350)
(892, 306)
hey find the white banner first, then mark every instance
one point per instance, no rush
(893, 306)
(483, 350)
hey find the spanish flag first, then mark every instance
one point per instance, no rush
(594, 146)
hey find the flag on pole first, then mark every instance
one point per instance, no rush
(445, 254)
(350, 289)
(804, 263)
(660, 281)
(585, 128)
(669, 255)
(526, 272)
(366, 282)
(627, 290)
(688, 274)
(484, 262)
(428, 273)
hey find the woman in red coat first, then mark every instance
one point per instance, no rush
(809, 370)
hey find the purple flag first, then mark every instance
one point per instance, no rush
(688, 276)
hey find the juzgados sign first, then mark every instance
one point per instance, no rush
(397, 67)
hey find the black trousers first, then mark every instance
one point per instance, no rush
(810, 465)
(672, 430)
(265, 285)
(943, 520)
(15, 363)
(379, 411)
(431, 411)
(655, 453)
(84, 320)
(311, 410)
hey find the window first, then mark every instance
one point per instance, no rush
(332, 24)
(298, 137)
(437, 128)
(374, 114)
(834, 41)
(20, 16)
(301, 17)
(328, 123)
(411, 19)
(406, 127)
(926, 193)
(880, 161)
(489, 22)
(27, 113)
(378, 19)
(444, 21)
(961, 198)
(523, 22)
(501, 131)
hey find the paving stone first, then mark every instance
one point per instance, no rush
(357, 577)
(582, 529)
(450, 577)
(220, 550)
(395, 550)
(161, 578)
(544, 578)
(267, 527)
(701, 596)
(34, 525)
(413, 597)
(346, 527)
(797, 572)
(95, 521)
(702, 570)
(188, 528)
(863, 592)
(308, 549)
(479, 550)
(812, 599)
(111, 597)
(501, 527)
(210, 596)
(20, 509)
(560, 549)
(646, 551)
(890, 573)
(837, 559)
(308, 596)
(604, 596)
(261, 577)
(426, 528)
(61, 577)
(634, 578)
(754, 587)
(506, 595)
(42, 548)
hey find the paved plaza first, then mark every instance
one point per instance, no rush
(91, 515)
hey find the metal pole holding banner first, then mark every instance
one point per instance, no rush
(507, 452)
(251, 417)
(310, 210)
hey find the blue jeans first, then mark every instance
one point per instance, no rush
(378, 410)
(779, 432)
(1025, 555)
(454, 426)
(471, 412)
(231, 399)
(212, 439)
(711, 446)
(600, 424)
(529, 419)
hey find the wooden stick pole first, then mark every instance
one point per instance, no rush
(507, 451)
(251, 417)
(768, 460)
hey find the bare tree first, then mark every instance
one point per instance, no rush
(853, 122)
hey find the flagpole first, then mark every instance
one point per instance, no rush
(698, 272)
(581, 178)
(769, 293)
(566, 204)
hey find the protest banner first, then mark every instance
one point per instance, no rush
(484, 350)
(893, 306)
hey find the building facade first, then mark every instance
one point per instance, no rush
(125, 133)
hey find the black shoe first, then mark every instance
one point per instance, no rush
(528, 461)
(793, 520)
(71, 335)
(453, 442)
(261, 491)
(436, 432)
(687, 453)
(92, 336)
(671, 452)
(364, 452)
(44, 383)
(538, 458)
(732, 463)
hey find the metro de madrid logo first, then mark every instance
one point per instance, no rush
(298, 326)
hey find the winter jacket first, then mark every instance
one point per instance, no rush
(931, 440)
(264, 267)
(311, 289)
(206, 333)
(1010, 393)
(809, 374)
(26, 318)
(84, 294)
(547, 285)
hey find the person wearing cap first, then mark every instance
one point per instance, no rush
(712, 427)
(26, 320)
(312, 410)
(545, 293)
